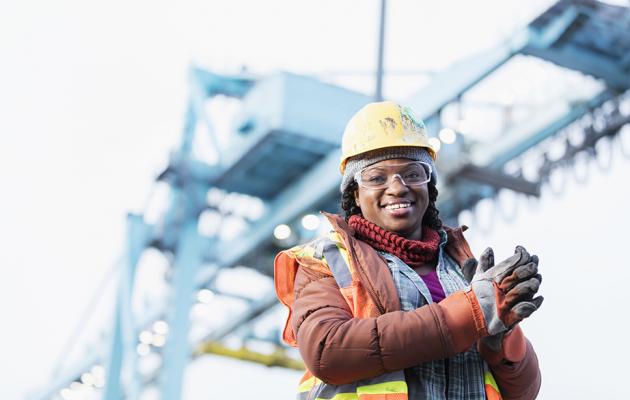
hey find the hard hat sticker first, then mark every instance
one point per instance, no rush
(410, 123)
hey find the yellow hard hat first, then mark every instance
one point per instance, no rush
(380, 125)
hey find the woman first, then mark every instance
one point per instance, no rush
(392, 304)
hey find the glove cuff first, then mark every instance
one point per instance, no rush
(513, 348)
(491, 301)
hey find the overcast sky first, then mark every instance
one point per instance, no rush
(92, 96)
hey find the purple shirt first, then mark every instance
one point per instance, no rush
(434, 286)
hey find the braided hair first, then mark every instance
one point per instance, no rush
(431, 215)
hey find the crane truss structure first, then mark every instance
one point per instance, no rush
(247, 199)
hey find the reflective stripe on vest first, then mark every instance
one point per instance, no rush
(389, 386)
(492, 389)
(338, 266)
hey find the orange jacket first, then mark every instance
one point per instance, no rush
(342, 341)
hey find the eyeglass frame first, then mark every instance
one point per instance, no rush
(358, 180)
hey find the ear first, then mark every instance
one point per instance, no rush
(356, 197)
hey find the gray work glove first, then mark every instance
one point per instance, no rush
(505, 291)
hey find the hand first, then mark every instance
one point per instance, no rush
(505, 292)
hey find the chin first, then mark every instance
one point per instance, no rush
(402, 229)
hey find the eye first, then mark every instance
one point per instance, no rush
(411, 175)
(376, 179)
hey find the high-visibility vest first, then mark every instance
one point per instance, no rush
(330, 254)
(389, 386)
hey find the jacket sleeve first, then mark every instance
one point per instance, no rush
(515, 367)
(339, 349)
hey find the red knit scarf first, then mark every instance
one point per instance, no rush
(413, 252)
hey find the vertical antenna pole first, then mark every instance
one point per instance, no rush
(378, 95)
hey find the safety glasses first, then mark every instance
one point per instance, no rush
(415, 173)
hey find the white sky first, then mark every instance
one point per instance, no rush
(92, 98)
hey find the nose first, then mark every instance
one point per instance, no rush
(396, 186)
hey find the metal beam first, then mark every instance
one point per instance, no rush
(497, 179)
(546, 36)
(256, 309)
(590, 63)
(122, 348)
(299, 197)
(461, 76)
(509, 147)
(276, 359)
(177, 350)
(204, 84)
(228, 85)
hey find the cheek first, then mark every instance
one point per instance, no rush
(366, 202)
(423, 197)
(363, 203)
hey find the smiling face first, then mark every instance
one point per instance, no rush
(397, 208)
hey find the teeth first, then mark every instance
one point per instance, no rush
(397, 206)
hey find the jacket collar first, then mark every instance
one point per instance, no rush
(457, 247)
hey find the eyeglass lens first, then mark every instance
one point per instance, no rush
(411, 174)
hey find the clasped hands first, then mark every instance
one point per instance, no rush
(504, 291)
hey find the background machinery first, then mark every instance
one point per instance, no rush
(230, 199)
